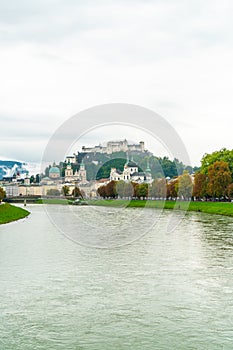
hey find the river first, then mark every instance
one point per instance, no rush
(163, 291)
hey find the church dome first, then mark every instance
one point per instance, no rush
(54, 170)
(131, 164)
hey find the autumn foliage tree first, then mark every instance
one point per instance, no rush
(162, 188)
(172, 189)
(108, 191)
(111, 189)
(200, 185)
(158, 188)
(77, 193)
(185, 184)
(101, 191)
(215, 177)
(2, 194)
(219, 178)
(65, 190)
(230, 191)
(224, 155)
(124, 189)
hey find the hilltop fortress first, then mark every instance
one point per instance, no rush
(115, 146)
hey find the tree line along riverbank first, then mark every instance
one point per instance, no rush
(9, 213)
(209, 207)
(220, 208)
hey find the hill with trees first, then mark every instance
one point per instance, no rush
(99, 165)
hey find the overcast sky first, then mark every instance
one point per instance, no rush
(58, 57)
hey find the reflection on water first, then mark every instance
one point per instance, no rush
(165, 291)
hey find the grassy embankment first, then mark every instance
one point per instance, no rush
(9, 213)
(52, 201)
(220, 208)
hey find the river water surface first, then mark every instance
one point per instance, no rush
(164, 291)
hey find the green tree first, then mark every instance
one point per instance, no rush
(105, 168)
(224, 155)
(120, 188)
(2, 194)
(128, 189)
(153, 190)
(46, 172)
(189, 169)
(219, 178)
(134, 187)
(162, 188)
(180, 167)
(185, 185)
(142, 190)
(38, 178)
(169, 167)
(124, 189)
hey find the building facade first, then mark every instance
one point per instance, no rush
(131, 173)
(115, 146)
(79, 176)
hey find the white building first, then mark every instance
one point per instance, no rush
(79, 176)
(131, 173)
(11, 189)
(70, 159)
(115, 146)
(54, 172)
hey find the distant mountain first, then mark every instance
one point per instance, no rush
(10, 167)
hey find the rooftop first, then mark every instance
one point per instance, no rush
(54, 169)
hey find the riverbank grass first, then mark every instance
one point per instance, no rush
(220, 208)
(52, 201)
(9, 213)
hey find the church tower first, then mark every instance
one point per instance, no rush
(82, 173)
(69, 173)
(148, 172)
(69, 170)
(27, 179)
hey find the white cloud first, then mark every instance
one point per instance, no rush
(174, 57)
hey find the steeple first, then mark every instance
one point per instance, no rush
(68, 166)
(82, 173)
(148, 170)
(127, 162)
(82, 165)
